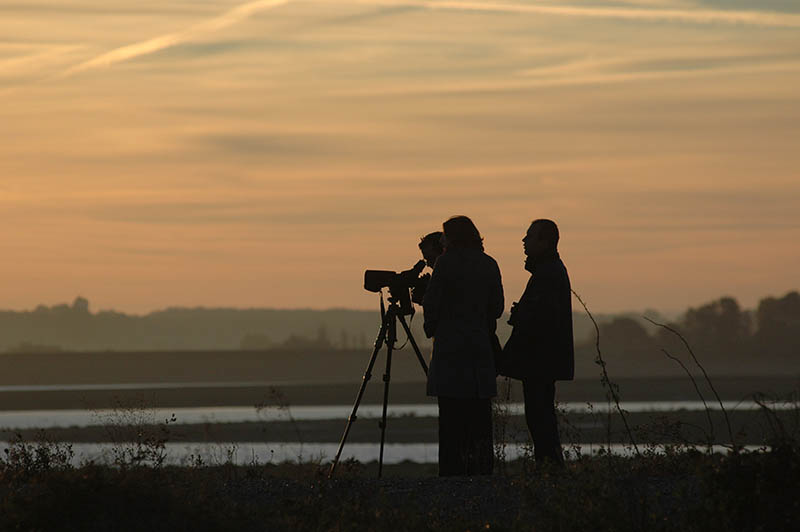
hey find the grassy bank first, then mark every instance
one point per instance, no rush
(681, 491)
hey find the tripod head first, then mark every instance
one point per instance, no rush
(399, 285)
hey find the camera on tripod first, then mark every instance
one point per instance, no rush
(399, 285)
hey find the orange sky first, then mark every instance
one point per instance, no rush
(265, 153)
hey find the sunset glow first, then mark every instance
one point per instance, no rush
(264, 153)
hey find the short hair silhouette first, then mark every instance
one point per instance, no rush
(461, 233)
(548, 230)
(432, 239)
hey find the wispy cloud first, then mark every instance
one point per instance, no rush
(149, 46)
(699, 16)
(567, 79)
(33, 61)
(659, 3)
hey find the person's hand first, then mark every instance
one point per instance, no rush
(418, 290)
(511, 313)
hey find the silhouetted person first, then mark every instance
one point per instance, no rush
(462, 303)
(431, 247)
(540, 349)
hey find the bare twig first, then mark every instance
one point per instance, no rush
(697, 389)
(780, 436)
(612, 388)
(500, 416)
(280, 402)
(705, 375)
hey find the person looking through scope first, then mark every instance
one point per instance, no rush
(400, 285)
(462, 302)
(431, 247)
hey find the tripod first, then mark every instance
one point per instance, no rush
(386, 335)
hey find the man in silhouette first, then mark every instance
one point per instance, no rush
(540, 349)
(431, 247)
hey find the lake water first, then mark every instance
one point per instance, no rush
(237, 414)
(267, 452)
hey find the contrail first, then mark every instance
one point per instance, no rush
(230, 17)
(698, 16)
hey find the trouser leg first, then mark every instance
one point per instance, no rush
(481, 437)
(452, 437)
(465, 436)
(540, 415)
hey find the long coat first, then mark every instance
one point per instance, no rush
(541, 343)
(462, 303)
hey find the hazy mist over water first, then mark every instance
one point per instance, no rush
(264, 153)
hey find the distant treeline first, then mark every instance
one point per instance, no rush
(76, 328)
(721, 332)
(724, 337)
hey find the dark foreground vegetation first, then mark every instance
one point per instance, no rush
(684, 490)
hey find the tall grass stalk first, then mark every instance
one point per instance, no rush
(501, 414)
(697, 389)
(705, 375)
(612, 388)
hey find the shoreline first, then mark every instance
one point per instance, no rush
(750, 427)
(161, 393)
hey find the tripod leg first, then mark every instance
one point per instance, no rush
(413, 344)
(367, 375)
(386, 379)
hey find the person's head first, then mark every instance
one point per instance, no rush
(461, 233)
(431, 247)
(541, 238)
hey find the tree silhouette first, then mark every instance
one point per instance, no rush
(720, 326)
(779, 325)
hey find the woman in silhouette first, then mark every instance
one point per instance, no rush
(462, 303)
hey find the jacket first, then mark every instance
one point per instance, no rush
(541, 341)
(463, 300)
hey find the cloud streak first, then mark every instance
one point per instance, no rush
(131, 51)
(31, 62)
(524, 82)
(698, 16)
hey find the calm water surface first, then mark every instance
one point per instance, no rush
(237, 414)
